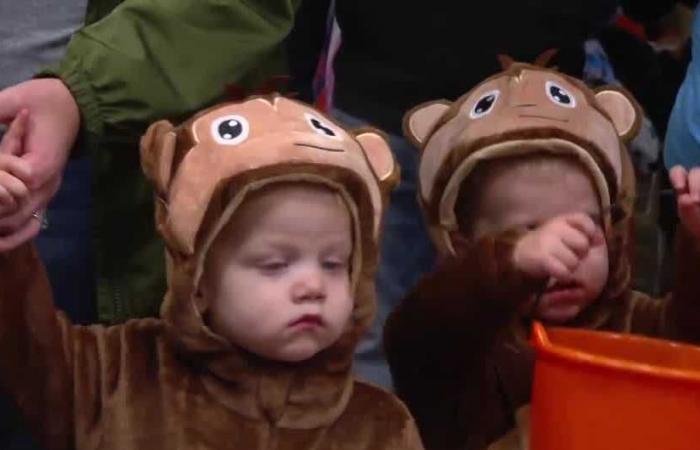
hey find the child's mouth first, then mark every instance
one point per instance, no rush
(308, 321)
(562, 294)
(560, 302)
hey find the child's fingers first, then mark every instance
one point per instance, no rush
(694, 184)
(679, 178)
(17, 189)
(7, 202)
(557, 269)
(583, 223)
(26, 232)
(576, 240)
(12, 140)
(36, 202)
(566, 256)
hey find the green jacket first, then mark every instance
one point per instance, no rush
(137, 61)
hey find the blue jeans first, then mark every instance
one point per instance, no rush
(406, 253)
(65, 246)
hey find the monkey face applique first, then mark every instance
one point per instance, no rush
(249, 141)
(524, 109)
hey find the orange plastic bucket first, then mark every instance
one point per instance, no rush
(606, 391)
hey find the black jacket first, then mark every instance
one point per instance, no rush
(396, 54)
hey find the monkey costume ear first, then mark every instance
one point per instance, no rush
(157, 152)
(544, 58)
(419, 122)
(623, 110)
(505, 61)
(380, 157)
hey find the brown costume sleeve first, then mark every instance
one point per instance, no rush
(409, 438)
(678, 315)
(439, 341)
(34, 351)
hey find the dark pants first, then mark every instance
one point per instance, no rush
(65, 246)
(406, 254)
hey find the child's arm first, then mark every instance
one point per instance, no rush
(442, 341)
(439, 340)
(35, 349)
(489, 279)
(13, 170)
(687, 187)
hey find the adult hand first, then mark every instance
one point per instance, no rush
(13, 170)
(54, 120)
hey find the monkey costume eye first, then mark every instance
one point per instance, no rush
(321, 127)
(559, 95)
(230, 130)
(484, 105)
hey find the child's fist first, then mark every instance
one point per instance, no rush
(13, 170)
(13, 191)
(687, 187)
(556, 248)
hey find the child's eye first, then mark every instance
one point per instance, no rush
(271, 267)
(334, 264)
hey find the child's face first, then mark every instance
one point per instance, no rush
(532, 195)
(278, 277)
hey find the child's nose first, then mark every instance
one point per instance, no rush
(310, 286)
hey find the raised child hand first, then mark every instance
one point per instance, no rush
(14, 171)
(556, 248)
(687, 187)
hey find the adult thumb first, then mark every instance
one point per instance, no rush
(9, 105)
(54, 121)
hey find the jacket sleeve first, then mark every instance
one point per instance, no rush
(150, 59)
(35, 356)
(439, 341)
(61, 375)
(682, 145)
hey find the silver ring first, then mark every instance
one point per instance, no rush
(41, 217)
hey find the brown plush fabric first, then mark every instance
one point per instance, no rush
(462, 365)
(457, 349)
(172, 383)
(521, 118)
